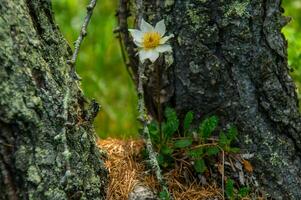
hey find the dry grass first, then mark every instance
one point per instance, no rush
(127, 169)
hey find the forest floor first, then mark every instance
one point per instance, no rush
(128, 169)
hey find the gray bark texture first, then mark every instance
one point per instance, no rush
(229, 59)
(47, 141)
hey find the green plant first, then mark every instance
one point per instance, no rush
(230, 189)
(196, 144)
(225, 140)
(232, 193)
(243, 192)
(164, 195)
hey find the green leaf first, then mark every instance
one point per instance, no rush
(165, 160)
(211, 151)
(165, 150)
(207, 127)
(164, 195)
(188, 120)
(168, 129)
(230, 188)
(232, 133)
(160, 159)
(196, 153)
(183, 143)
(153, 127)
(233, 150)
(223, 140)
(172, 123)
(170, 114)
(200, 166)
(243, 192)
(154, 132)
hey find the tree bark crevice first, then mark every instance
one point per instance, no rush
(34, 17)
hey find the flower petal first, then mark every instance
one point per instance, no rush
(136, 34)
(160, 27)
(146, 27)
(153, 55)
(148, 54)
(142, 55)
(164, 48)
(138, 44)
(164, 39)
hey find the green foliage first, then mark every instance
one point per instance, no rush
(196, 153)
(154, 132)
(225, 140)
(170, 140)
(212, 151)
(230, 189)
(166, 150)
(164, 195)
(182, 143)
(232, 133)
(243, 192)
(172, 123)
(207, 127)
(163, 160)
(200, 166)
(232, 193)
(188, 120)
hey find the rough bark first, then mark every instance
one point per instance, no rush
(230, 59)
(47, 141)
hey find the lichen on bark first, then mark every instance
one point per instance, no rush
(47, 141)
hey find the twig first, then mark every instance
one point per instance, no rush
(82, 35)
(5, 144)
(123, 54)
(145, 132)
(122, 14)
(205, 145)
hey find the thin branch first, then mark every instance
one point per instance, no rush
(122, 14)
(205, 145)
(124, 58)
(145, 132)
(82, 35)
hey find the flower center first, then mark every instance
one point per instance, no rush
(151, 40)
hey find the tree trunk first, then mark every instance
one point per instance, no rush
(230, 59)
(47, 141)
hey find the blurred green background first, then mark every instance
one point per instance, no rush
(293, 34)
(100, 65)
(104, 76)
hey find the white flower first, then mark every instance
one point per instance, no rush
(150, 40)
